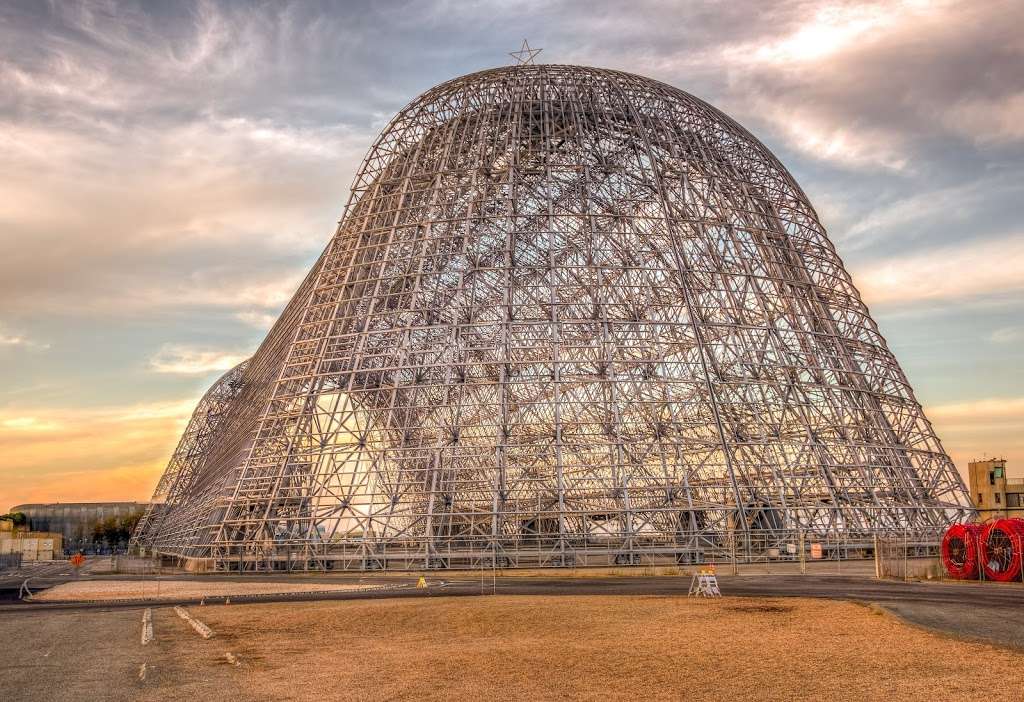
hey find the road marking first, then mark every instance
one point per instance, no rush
(201, 629)
(142, 672)
(232, 659)
(147, 626)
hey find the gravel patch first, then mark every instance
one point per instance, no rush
(107, 590)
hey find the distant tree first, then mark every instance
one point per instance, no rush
(105, 531)
(18, 518)
(127, 525)
(115, 531)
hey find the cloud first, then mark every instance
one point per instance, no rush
(32, 424)
(11, 339)
(955, 273)
(871, 85)
(177, 410)
(216, 207)
(165, 148)
(958, 202)
(1007, 335)
(869, 225)
(985, 411)
(73, 453)
(131, 481)
(259, 320)
(6, 340)
(188, 360)
(816, 134)
(65, 419)
(988, 120)
(172, 169)
(973, 429)
(829, 31)
(219, 288)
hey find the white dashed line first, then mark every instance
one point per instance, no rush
(147, 626)
(142, 672)
(201, 629)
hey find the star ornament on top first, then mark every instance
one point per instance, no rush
(525, 55)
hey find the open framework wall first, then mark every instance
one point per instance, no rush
(570, 315)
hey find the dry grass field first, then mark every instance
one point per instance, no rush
(563, 648)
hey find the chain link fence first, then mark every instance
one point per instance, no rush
(906, 557)
(135, 565)
(10, 561)
(909, 557)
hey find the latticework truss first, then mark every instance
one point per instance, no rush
(570, 315)
(175, 489)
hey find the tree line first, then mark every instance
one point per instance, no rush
(115, 531)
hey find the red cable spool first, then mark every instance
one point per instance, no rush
(960, 551)
(1002, 543)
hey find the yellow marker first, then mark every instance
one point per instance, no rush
(422, 582)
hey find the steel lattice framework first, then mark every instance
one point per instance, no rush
(176, 487)
(570, 315)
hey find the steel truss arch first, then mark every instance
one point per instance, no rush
(570, 315)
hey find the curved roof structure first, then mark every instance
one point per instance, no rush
(570, 315)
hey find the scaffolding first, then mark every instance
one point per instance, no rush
(570, 316)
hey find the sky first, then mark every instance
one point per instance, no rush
(169, 171)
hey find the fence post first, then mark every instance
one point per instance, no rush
(906, 565)
(981, 561)
(803, 556)
(878, 559)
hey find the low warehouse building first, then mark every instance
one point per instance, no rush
(75, 521)
(32, 545)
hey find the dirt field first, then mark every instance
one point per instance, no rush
(656, 648)
(523, 647)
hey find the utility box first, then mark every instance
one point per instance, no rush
(45, 550)
(30, 549)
